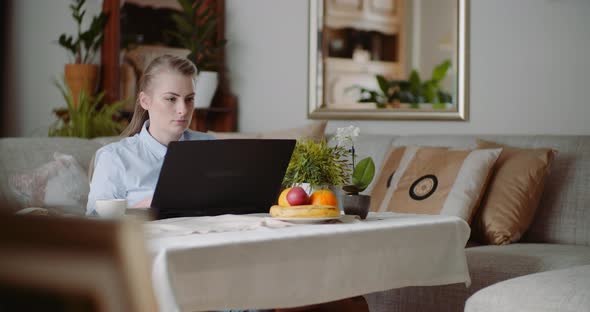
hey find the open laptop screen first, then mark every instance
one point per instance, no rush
(214, 177)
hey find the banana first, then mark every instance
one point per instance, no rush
(304, 211)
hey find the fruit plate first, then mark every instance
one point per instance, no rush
(307, 220)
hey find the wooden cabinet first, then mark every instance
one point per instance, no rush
(344, 8)
(220, 116)
(372, 15)
(386, 9)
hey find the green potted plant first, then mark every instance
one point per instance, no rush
(86, 119)
(354, 203)
(316, 165)
(81, 74)
(413, 91)
(196, 30)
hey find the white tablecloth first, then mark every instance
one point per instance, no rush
(255, 265)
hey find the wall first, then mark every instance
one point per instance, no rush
(4, 39)
(35, 60)
(529, 68)
(436, 40)
(267, 59)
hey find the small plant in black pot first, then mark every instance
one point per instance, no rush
(353, 203)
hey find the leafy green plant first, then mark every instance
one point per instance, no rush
(196, 31)
(364, 171)
(362, 176)
(86, 119)
(86, 43)
(413, 90)
(318, 164)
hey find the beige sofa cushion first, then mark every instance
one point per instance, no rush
(384, 176)
(436, 180)
(487, 265)
(565, 290)
(59, 185)
(494, 263)
(23, 155)
(512, 197)
(314, 131)
(563, 215)
(233, 135)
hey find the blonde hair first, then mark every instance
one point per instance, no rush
(156, 66)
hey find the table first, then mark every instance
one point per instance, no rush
(259, 267)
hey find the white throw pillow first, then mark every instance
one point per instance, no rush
(60, 185)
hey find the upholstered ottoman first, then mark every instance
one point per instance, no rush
(559, 290)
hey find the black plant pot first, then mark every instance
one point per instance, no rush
(356, 205)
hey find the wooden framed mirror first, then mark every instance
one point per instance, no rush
(127, 50)
(419, 48)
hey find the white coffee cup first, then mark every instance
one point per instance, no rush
(111, 208)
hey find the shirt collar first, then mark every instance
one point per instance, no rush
(156, 147)
(184, 136)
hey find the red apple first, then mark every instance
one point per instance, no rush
(297, 196)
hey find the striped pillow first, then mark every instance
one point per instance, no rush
(433, 180)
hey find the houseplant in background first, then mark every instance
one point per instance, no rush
(354, 203)
(392, 93)
(81, 74)
(88, 119)
(196, 30)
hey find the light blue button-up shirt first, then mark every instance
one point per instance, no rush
(130, 168)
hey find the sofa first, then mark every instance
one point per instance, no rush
(557, 242)
(554, 251)
(28, 164)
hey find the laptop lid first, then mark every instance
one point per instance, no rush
(214, 177)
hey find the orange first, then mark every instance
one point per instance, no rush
(324, 197)
(283, 198)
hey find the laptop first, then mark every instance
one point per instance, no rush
(215, 177)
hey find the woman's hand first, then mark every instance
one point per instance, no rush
(144, 203)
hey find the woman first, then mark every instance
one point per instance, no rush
(129, 169)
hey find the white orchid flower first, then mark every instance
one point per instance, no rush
(346, 136)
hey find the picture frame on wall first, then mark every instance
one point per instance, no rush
(388, 60)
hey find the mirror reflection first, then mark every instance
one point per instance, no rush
(143, 38)
(379, 58)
